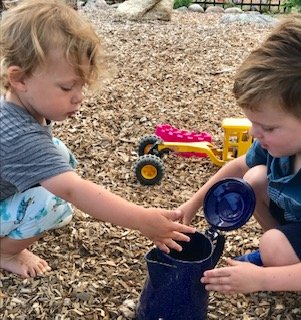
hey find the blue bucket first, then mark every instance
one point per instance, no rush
(172, 290)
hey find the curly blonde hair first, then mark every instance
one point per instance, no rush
(34, 27)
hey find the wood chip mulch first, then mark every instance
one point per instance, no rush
(178, 72)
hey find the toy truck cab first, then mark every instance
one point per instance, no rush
(237, 139)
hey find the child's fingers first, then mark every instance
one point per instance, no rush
(218, 283)
(168, 244)
(215, 280)
(233, 263)
(183, 228)
(186, 221)
(162, 246)
(178, 236)
(221, 288)
(219, 272)
(173, 245)
(173, 215)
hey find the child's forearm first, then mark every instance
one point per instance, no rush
(107, 206)
(95, 200)
(285, 278)
(236, 168)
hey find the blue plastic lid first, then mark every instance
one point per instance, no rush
(229, 204)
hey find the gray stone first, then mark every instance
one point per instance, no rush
(246, 18)
(182, 9)
(252, 12)
(101, 4)
(195, 7)
(234, 10)
(135, 9)
(161, 11)
(145, 10)
(212, 9)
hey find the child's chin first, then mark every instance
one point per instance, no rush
(61, 119)
(278, 154)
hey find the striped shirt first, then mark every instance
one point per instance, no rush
(27, 153)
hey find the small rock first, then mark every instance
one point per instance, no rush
(195, 7)
(215, 10)
(233, 10)
(182, 9)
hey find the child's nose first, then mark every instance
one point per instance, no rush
(78, 97)
(255, 132)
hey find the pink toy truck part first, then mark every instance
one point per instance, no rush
(171, 134)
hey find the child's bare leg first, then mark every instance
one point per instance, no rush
(275, 241)
(16, 258)
(257, 178)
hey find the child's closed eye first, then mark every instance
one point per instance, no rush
(66, 88)
(268, 129)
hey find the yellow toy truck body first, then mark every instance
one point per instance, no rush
(149, 168)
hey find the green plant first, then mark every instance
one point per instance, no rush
(265, 8)
(229, 4)
(289, 4)
(181, 3)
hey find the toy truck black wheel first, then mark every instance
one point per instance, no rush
(146, 144)
(149, 169)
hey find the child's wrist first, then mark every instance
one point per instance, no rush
(141, 220)
(262, 279)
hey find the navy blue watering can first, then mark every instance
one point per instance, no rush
(172, 290)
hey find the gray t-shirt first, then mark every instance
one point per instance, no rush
(27, 153)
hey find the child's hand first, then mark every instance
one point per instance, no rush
(239, 277)
(161, 228)
(187, 214)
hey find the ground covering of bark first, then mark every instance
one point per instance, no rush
(178, 72)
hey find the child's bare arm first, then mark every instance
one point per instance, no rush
(156, 224)
(235, 168)
(244, 277)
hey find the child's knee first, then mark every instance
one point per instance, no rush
(275, 249)
(65, 152)
(257, 178)
(34, 212)
(58, 213)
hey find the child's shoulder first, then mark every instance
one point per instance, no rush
(15, 120)
(9, 109)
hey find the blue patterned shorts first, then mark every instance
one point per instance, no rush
(36, 210)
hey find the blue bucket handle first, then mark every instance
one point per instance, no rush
(218, 249)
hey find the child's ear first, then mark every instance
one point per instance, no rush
(15, 77)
